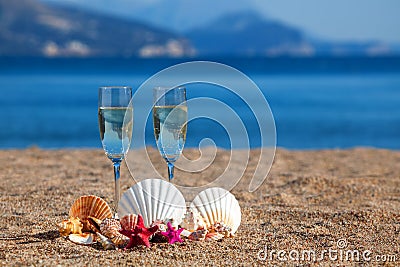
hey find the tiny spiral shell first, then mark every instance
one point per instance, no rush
(110, 228)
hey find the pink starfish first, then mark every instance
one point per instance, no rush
(172, 234)
(140, 234)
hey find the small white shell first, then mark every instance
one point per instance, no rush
(193, 220)
(154, 199)
(218, 206)
(186, 233)
(83, 239)
(162, 227)
(105, 242)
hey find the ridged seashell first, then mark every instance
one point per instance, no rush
(70, 226)
(154, 199)
(198, 235)
(217, 205)
(94, 224)
(105, 242)
(213, 236)
(83, 239)
(110, 228)
(90, 206)
(128, 222)
(192, 220)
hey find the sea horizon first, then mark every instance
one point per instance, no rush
(317, 103)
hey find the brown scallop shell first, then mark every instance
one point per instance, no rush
(90, 206)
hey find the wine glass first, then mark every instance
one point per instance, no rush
(170, 123)
(115, 124)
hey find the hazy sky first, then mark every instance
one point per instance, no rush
(339, 19)
(332, 19)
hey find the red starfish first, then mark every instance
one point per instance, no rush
(140, 234)
(172, 234)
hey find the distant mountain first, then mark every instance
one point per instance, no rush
(176, 15)
(31, 28)
(247, 33)
(43, 28)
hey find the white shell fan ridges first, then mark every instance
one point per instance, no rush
(154, 199)
(217, 205)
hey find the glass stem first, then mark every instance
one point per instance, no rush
(117, 165)
(170, 170)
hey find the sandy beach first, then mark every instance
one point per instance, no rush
(312, 201)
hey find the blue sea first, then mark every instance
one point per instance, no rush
(317, 103)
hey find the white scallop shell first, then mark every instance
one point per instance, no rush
(217, 205)
(83, 239)
(154, 199)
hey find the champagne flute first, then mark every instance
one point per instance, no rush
(115, 124)
(170, 123)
